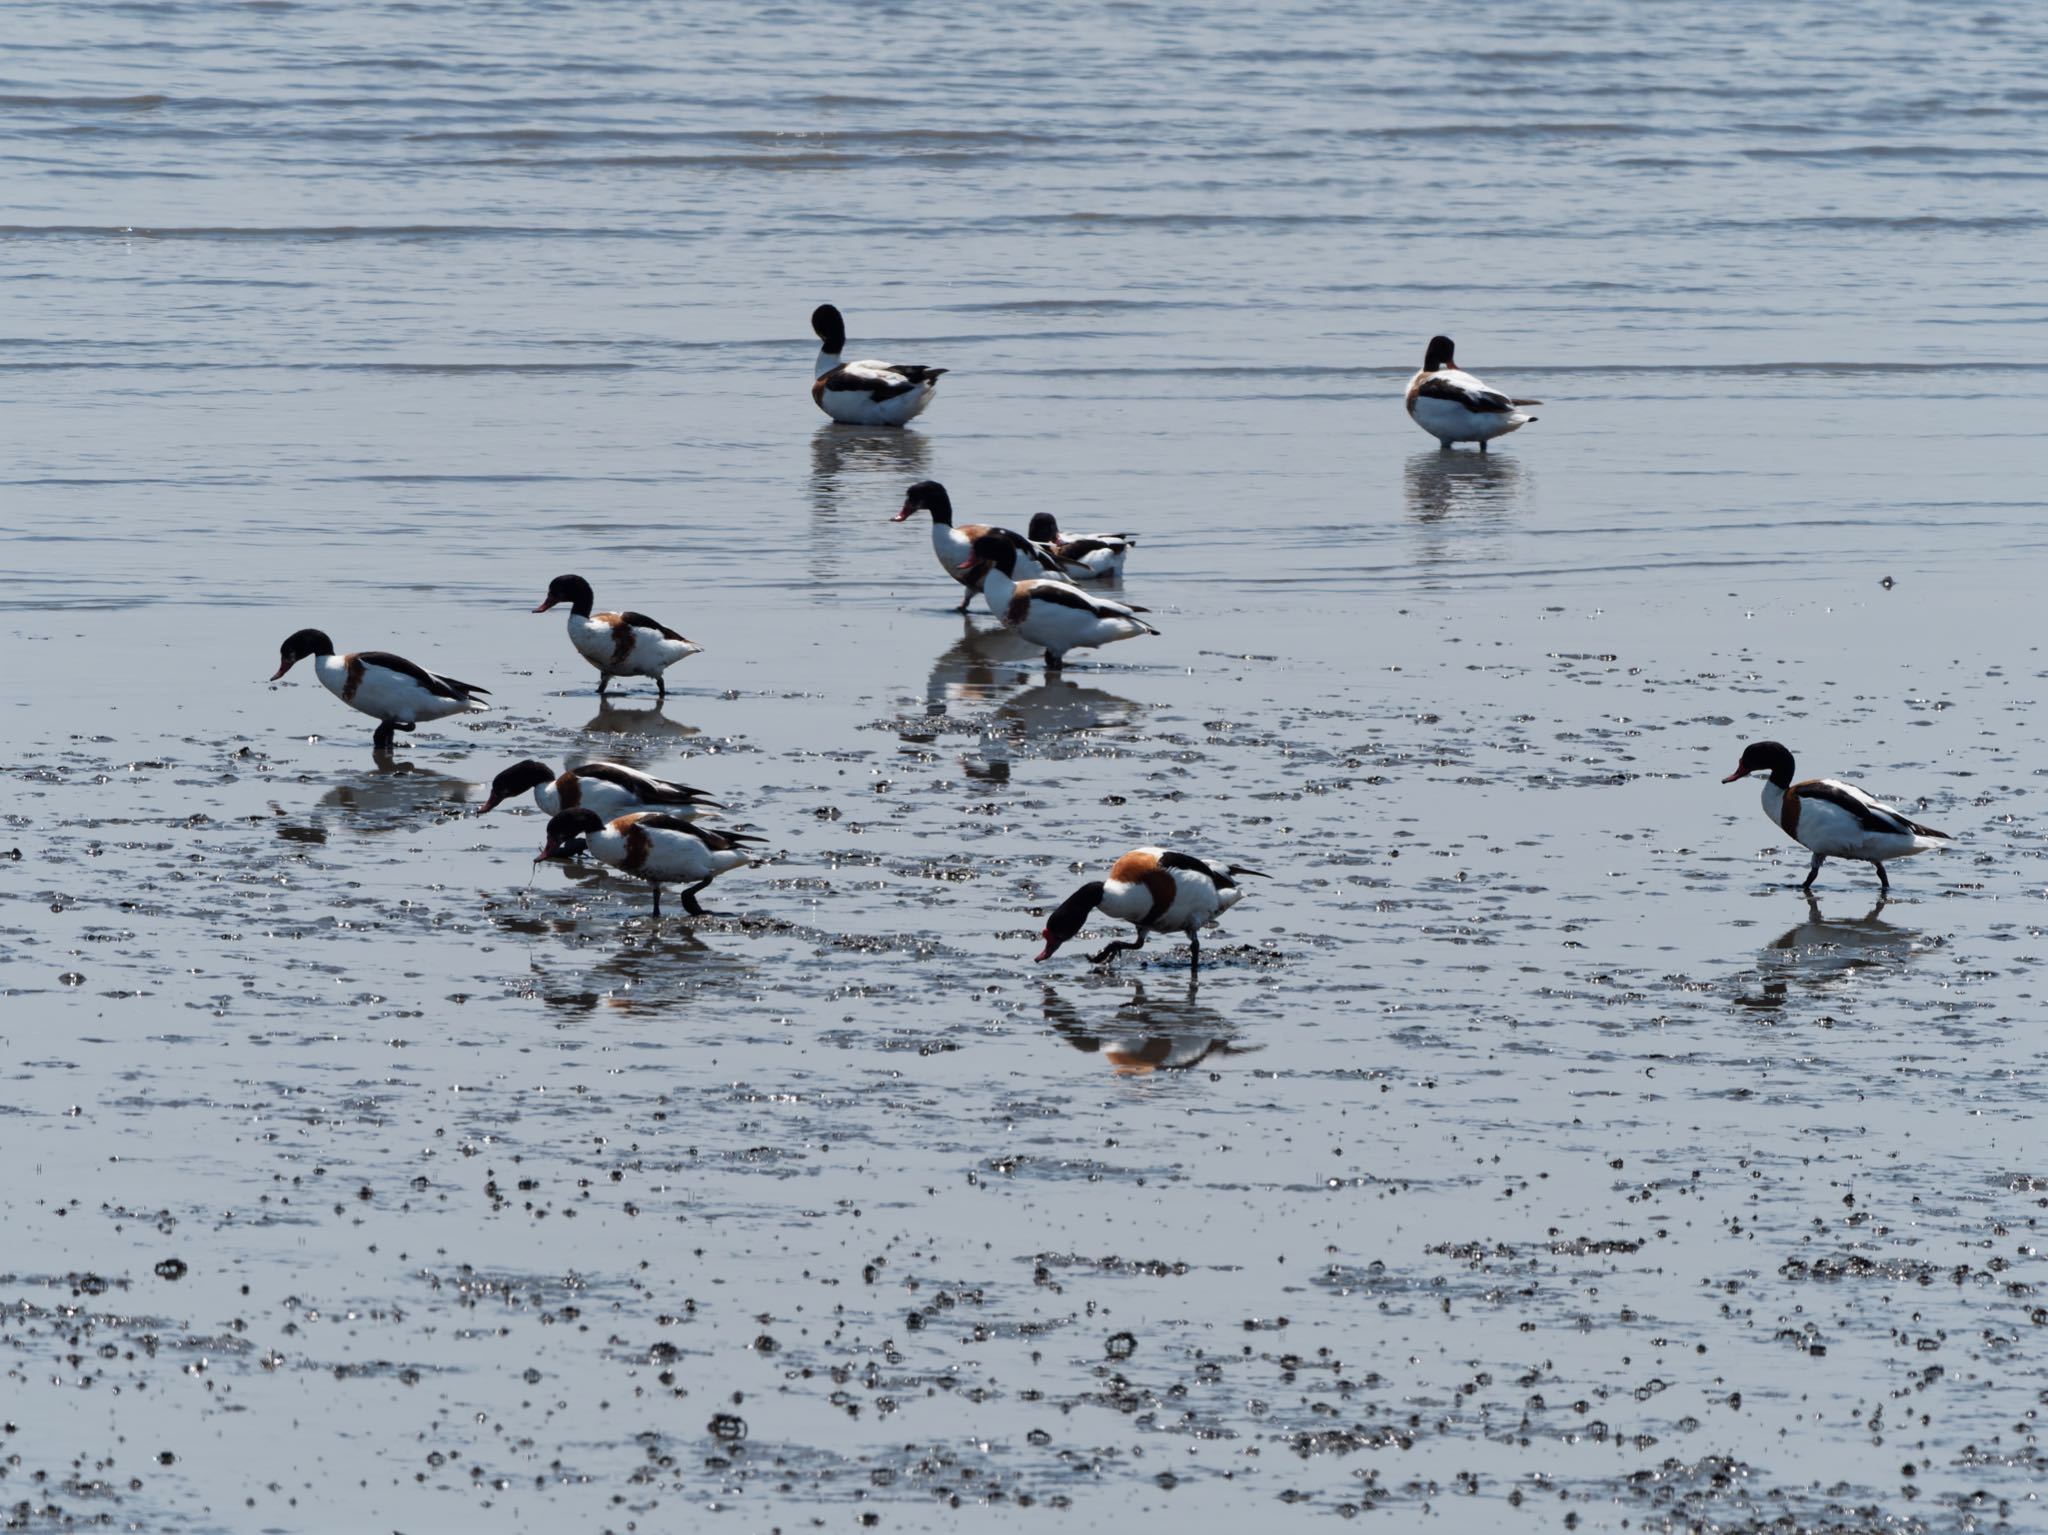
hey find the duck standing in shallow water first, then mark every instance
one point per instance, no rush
(1833, 819)
(954, 547)
(1053, 614)
(609, 788)
(661, 849)
(1085, 556)
(386, 687)
(1453, 406)
(865, 393)
(617, 644)
(1156, 891)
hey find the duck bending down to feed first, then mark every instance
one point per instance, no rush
(1831, 818)
(608, 788)
(1053, 614)
(1156, 891)
(659, 848)
(954, 546)
(1453, 406)
(617, 644)
(865, 393)
(388, 688)
(1086, 556)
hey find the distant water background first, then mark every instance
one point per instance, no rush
(1529, 1155)
(279, 275)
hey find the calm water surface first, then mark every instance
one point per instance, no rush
(1530, 1155)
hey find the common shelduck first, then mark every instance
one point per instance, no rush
(1831, 818)
(379, 684)
(954, 546)
(1053, 614)
(1453, 406)
(609, 788)
(661, 849)
(865, 393)
(1086, 556)
(1156, 892)
(617, 644)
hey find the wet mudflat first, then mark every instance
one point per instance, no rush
(1529, 1154)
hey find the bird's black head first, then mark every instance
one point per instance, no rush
(1764, 757)
(830, 326)
(1440, 354)
(515, 781)
(307, 642)
(1067, 917)
(927, 496)
(567, 831)
(1045, 528)
(573, 590)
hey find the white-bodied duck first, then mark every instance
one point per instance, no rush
(1833, 819)
(617, 644)
(610, 788)
(953, 546)
(1453, 406)
(1084, 556)
(1059, 616)
(1156, 891)
(388, 688)
(865, 393)
(659, 848)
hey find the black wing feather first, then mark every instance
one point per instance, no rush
(658, 790)
(840, 381)
(717, 841)
(1870, 817)
(642, 621)
(1196, 865)
(441, 687)
(1490, 401)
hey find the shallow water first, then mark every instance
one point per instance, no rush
(1529, 1149)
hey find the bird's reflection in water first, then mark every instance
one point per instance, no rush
(1064, 705)
(648, 724)
(396, 795)
(1148, 1033)
(1822, 955)
(994, 666)
(860, 473)
(1457, 497)
(979, 667)
(647, 973)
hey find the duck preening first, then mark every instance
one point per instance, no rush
(1053, 614)
(865, 393)
(608, 788)
(617, 644)
(1084, 556)
(954, 546)
(1453, 406)
(386, 687)
(1831, 818)
(660, 848)
(1156, 891)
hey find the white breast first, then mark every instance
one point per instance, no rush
(952, 550)
(1126, 903)
(593, 641)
